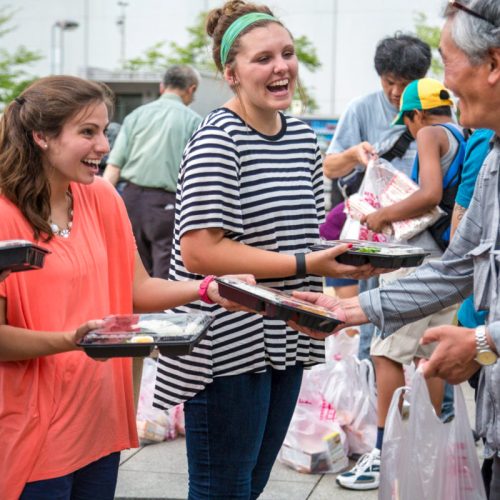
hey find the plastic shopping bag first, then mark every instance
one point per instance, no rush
(394, 448)
(384, 185)
(343, 344)
(314, 443)
(425, 458)
(351, 230)
(153, 425)
(351, 390)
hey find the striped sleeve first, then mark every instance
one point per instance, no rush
(209, 192)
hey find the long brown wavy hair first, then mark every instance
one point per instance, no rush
(45, 106)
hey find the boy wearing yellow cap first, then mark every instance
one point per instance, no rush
(426, 109)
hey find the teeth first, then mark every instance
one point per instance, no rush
(94, 163)
(279, 83)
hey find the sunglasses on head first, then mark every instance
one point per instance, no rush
(464, 8)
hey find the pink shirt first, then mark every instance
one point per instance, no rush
(59, 413)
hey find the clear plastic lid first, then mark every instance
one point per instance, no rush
(15, 243)
(278, 297)
(375, 247)
(148, 328)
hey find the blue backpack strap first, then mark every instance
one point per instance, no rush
(415, 170)
(454, 171)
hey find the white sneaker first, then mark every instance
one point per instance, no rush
(365, 475)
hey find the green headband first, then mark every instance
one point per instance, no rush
(236, 28)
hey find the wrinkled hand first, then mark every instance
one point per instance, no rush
(453, 358)
(4, 274)
(376, 221)
(323, 263)
(213, 293)
(364, 152)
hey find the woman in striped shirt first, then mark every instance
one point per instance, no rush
(249, 200)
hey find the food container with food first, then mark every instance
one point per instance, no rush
(136, 335)
(384, 255)
(278, 305)
(21, 255)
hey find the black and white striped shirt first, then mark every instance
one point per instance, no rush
(263, 191)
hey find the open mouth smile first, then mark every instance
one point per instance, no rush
(279, 87)
(92, 163)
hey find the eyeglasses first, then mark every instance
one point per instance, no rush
(459, 6)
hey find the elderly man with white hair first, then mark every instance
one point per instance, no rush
(470, 48)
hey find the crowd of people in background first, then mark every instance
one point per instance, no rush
(240, 193)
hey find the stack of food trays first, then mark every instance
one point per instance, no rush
(21, 255)
(382, 255)
(278, 305)
(136, 335)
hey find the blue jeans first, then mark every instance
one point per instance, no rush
(234, 431)
(96, 481)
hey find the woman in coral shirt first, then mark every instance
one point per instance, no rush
(64, 417)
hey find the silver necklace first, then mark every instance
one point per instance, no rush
(64, 232)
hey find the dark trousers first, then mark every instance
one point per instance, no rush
(494, 490)
(234, 431)
(96, 481)
(152, 213)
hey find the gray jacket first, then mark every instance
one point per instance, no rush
(470, 264)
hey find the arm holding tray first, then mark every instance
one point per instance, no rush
(150, 294)
(18, 344)
(156, 294)
(208, 251)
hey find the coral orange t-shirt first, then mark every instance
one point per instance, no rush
(61, 412)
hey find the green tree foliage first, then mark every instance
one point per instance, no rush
(13, 75)
(197, 52)
(431, 35)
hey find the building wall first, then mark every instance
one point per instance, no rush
(135, 88)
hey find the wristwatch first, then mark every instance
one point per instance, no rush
(484, 355)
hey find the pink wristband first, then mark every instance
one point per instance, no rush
(203, 289)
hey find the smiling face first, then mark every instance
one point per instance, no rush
(265, 69)
(476, 86)
(74, 155)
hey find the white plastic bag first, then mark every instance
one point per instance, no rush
(383, 186)
(393, 449)
(343, 344)
(314, 443)
(153, 425)
(351, 390)
(425, 458)
(351, 229)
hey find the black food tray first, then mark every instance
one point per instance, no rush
(21, 255)
(136, 335)
(382, 255)
(278, 305)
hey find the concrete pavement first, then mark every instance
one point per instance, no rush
(159, 472)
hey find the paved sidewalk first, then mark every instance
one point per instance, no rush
(159, 472)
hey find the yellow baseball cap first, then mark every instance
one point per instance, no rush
(425, 93)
